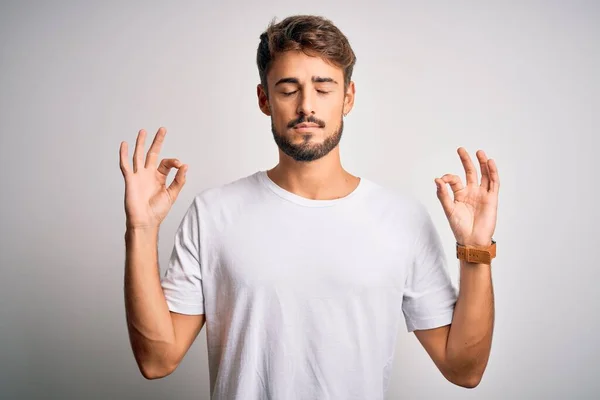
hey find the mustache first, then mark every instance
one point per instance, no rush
(309, 119)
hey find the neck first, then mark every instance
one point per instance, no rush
(322, 179)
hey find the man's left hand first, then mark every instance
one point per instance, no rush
(472, 213)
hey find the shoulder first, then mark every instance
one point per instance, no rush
(395, 201)
(240, 187)
(228, 197)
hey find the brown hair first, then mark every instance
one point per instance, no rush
(313, 35)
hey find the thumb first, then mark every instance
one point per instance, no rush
(178, 182)
(444, 196)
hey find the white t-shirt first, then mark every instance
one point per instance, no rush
(304, 298)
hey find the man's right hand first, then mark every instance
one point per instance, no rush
(147, 199)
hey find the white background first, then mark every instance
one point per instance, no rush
(517, 79)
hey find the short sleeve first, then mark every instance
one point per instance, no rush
(182, 282)
(429, 295)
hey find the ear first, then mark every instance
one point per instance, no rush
(263, 100)
(349, 98)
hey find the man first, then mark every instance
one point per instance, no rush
(300, 272)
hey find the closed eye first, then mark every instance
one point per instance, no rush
(291, 93)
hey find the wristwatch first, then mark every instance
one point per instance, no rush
(476, 254)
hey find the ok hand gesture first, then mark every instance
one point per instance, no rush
(472, 212)
(147, 199)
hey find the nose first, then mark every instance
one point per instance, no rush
(306, 103)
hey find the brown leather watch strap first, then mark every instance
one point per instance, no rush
(479, 255)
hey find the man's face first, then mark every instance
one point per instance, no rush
(305, 90)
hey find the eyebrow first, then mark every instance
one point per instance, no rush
(315, 79)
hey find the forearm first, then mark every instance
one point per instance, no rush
(149, 321)
(470, 337)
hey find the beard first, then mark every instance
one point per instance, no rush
(307, 151)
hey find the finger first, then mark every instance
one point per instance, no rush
(166, 164)
(454, 181)
(123, 163)
(470, 170)
(444, 196)
(155, 147)
(177, 184)
(485, 176)
(139, 150)
(494, 177)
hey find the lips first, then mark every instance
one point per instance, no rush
(304, 126)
